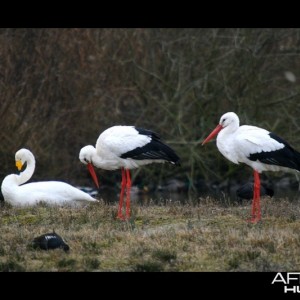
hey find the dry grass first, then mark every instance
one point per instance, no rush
(172, 237)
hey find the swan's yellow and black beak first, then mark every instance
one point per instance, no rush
(19, 165)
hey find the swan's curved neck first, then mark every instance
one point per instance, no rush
(28, 172)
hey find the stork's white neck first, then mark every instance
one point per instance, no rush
(99, 158)
(109, 162)
(230, 123)
(230, 129)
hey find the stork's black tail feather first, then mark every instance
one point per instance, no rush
(286, 157)
(297, 155)
(155, 149)
(163, 151)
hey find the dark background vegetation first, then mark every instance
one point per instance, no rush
(60, 88)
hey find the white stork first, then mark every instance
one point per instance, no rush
(17, 193)
(126, 147)
(258, 148)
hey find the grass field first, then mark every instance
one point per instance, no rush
(208, 236)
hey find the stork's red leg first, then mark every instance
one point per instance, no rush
(257, 194)
(128, 187)
(123, 185)
(256, 213)
(253, 212)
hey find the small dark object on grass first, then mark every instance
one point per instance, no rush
(50, 241)
(246, 191)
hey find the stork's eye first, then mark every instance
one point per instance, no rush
(86, 160)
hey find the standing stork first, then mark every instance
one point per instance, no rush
(258, 148)
(126, 147)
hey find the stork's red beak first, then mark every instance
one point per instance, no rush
(213, 134)
(94, 176)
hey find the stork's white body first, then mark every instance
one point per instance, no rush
(125, 148)
(258, 148)
(113, 144)
(237, 146)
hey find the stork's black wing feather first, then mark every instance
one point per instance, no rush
(155, 149)
(284, 157)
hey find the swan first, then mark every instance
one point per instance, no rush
(17, 193)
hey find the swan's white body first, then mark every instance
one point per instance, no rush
(17, 193)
